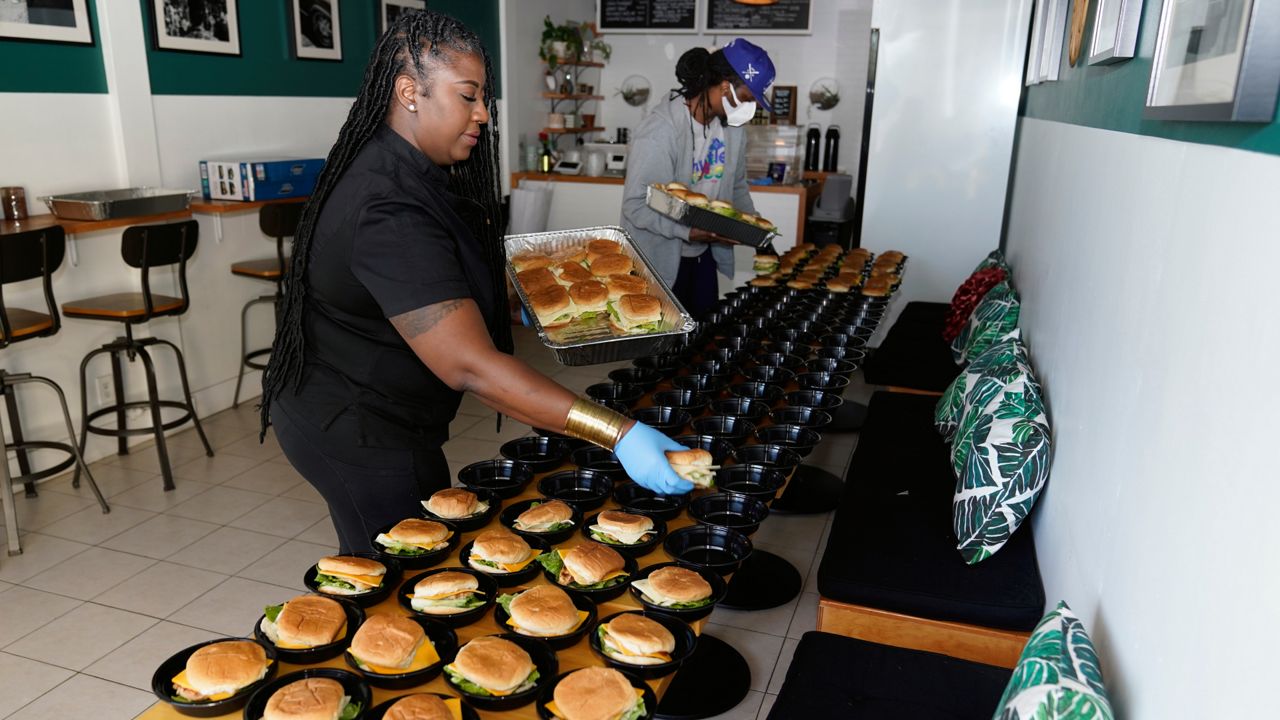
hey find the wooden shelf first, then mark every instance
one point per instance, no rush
(563, 96)
(579, 63)
(569, 131)
(77, 227)
(223, 207)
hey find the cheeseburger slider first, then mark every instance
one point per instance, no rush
(798, 284)
(589, 298)
(675, 587)
(588, 566)
(304, 622)
(675, 186)
(424, 706)
(349, 575)
(490, 665)
(600, 246)
(636, 314)
(413, 537)
(615, 264)
(218, 670)
(720, 207)
(499, 551)
(637, 640)
(535, 279)
(455, 504)
(577, 254)
(529, 260)
(552, 306)
(311, 699)
(765, 264)
(763, 281)
(596, 694)
(694, 465)
(620, 285)
(876, 287)
(392, 645)
(697, 200)
(542, 611)
(545, 517)
(569, 273)
(446, 593)
(619, 528)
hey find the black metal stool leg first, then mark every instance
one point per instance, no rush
(10, 512)
(157, 421)
(244, 340)
(15, 431)
(186, 395)
(84, 409)
(117, 379)
(81, 465)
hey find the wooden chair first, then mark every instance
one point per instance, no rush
(143, 247)
(279, 221)
(27, 256)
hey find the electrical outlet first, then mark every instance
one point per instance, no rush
(106, 391)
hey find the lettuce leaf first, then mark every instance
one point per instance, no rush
(273, 611)
(600, 585)
(636, 712)
(486, 563)
(331, 581)
(612, 311)
(551, 561)
(588, 315)
(505, 601)
(350, 711)
(464, 684)
(559, 526)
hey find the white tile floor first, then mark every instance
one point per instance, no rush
(96, 601)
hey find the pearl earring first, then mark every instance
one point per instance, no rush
(413, 108)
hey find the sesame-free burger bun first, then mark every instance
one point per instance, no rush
(418, 532)
(446, 583)
(572, 272)
(422, 706)
(697, 199)
(594, 693)
(620, 285)
(493, 663)
(226, 666)
(536, 279)
(500, 546)
(350, 565)
(623, 521)
(590, 562)
(545, 610)
(679, 584)
(527, 260)
(636, 310)
(388, 640)
(614, 264)
(545, 514)
(589, 295)
(310, 621)
(309, 699)
(640, 636)
(549, 304)
(601, 246)
(452, 503)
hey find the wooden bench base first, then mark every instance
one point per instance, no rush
(967, 642)
(911, 391)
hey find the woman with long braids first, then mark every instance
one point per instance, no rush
(396, 303)
(696, 138)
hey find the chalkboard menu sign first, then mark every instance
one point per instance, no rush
(638, 16)
(783, 17)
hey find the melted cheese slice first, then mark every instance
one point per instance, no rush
(495, 693)
(181, 680)
(582, 617)
(614, 574)
(626, 538)
(510, 567)
(284, 645)
(551, 706)
(455, 708)
(371, 581)
(452, 593)
(426, 655)
(387, 541)
(614, 645)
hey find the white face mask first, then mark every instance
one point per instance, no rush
(738, 114)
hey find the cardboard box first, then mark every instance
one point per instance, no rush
(260, 179)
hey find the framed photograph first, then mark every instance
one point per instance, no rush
(1036, 40)
(316, 29)
(1047, 33)
(784, 105)
(201, 26)
(389, 10)
(1115, 31)
(61, 21)
(1216, 60)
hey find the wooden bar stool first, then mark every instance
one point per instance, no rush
(278, 221)
(143, 247)
(27, 256)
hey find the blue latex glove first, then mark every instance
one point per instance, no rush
(524, 317)
(642, 454)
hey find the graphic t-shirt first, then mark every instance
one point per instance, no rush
(707, 171)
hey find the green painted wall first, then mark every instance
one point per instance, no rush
(31, 66)
(1111, 97)
(265, 66)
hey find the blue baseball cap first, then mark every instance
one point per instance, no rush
(753, 65)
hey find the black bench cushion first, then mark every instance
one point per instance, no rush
(925, 313)
(913, 353)
(892, 546)
(839, 677)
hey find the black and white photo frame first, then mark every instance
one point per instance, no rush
(389, 10)
(57, 21)
(199, 26)
(315, 29)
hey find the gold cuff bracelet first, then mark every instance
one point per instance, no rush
(594, 423)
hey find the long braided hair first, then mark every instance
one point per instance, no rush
(698, 70)
(413, 43)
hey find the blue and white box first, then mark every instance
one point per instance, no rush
(259, 179)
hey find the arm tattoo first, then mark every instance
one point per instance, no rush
(424, 319)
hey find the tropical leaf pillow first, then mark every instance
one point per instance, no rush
(995, 316)
(1006, 355)
(994, 259)
(1001, 458)
(1058, 675)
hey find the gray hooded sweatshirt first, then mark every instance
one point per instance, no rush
(662, 152)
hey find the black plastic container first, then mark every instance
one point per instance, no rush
(471, 522)
(708, 547)
(353, 686)
(721, 451)
(730, 510)
(797, 438)
(583, 489)
(320, 653)
(823, 381)
(557, 642)
(742, 407)
(777, 456)
(665, 365)
(802, 416)
(718, 590)
(417, 562)
(794, 335)
(540, 454)
(162, 682)
(600, 461)
(667, 420)
(769, 375)
(686, 640)
(487, 587)
(650, 698)
(508, 579)
(731, 357)
(831, 365)
(714, 368)
(441, 636)
(760, 482)
(842, 353)
(615, 392)
(504, 478)
(600, 595)
(544, 659)
(708, 385)
(573, 443)
(633, 498)
(643, 378)
(819, 399)
(390, 581)
(734, 430)
(757, 391)
(511, 512)
(787, 347)
(658, 532)
(775, 359)
(691, 401)
(746, 344)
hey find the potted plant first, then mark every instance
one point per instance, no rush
(559, 42)
(592, 45)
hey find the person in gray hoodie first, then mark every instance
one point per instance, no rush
(695, 137)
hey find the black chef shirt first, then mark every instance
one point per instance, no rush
(390, 239)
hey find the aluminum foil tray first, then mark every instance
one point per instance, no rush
(684, 213)
(127, 202)
(592, 342)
